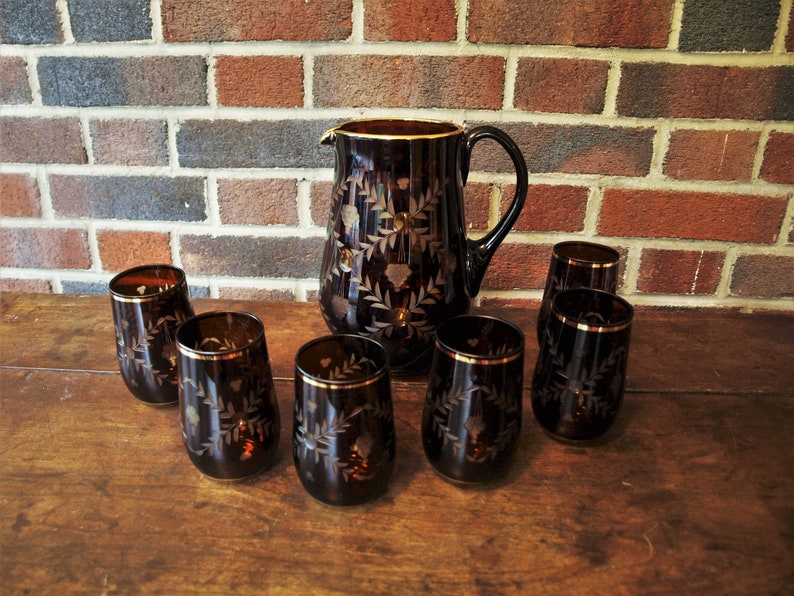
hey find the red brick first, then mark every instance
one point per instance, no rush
(254, 20)
(52, 248)
(692, 215)
(19, 196)
(651, 90)
(462, 82)
(40, 286)
(320, 197)
(122, 249)
(259, 81)
(418, 20)
(769, 276)
(477, 205)
(711, 154)
(611, 151)
(14, 86)
(130, 142)
(561, 85)
(518, 267)
(679, 271)
(778, 163)
(594, 23)
(550, 208)
(41, 140)
(258, 202)
(263, 295)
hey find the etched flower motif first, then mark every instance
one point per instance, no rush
(349, 217)
(398, 273)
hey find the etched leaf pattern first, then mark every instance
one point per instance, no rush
(231, 421)
(398, 237)
(584, 385)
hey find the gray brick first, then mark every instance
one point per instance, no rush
(249, 256)
(570, 149)
(259, 144)
(129, 197)
(104, 20)
(29, 22)
(79, 81)
(735, 26)
(84, 287)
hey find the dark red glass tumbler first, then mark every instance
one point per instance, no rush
(228, 411)
(149, 303)
(343, 441)
(472, 414)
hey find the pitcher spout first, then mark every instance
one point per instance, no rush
(329, 137)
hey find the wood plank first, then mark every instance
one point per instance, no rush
(715, 351)
(693, 494)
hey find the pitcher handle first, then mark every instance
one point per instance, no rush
(480, 251)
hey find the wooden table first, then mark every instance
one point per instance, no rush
(693, 494)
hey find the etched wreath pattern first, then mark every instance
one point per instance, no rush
(316, 442)
(584, 386)
(135, 355)
(400, 301)
(476, 449)
(233, 423)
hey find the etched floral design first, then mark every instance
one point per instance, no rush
(134, 352)
(385, 266)
(583, 384)
(409, 315)
(353, 365)
(475, 445)
(233, 423)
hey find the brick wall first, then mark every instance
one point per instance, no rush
(186, 131)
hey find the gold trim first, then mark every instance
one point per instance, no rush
(196, 355)
(479, 360)
(140, 299)
(588, 264)
(337, 130)
(607, 328)
(323, 384)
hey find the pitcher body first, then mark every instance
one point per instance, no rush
(397, 261)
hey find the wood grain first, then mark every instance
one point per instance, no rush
(692, 493)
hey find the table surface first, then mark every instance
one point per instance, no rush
(693, 492)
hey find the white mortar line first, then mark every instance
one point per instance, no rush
(509, 93)
(33, 81)
(43, 180)
(676, 21)
(661, 144)
(66, 21)
(611, 93)
(724, 286)
(357, 21)
(155, 13)
(303, 204)
(781, 31)
(758, 158)
(631, 272)
(213, 206)
(212, 88)
(462, 19)
(88, 142)
(137, 49)
(308, 81)
(593, 210)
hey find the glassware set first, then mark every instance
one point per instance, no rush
(397, 277)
